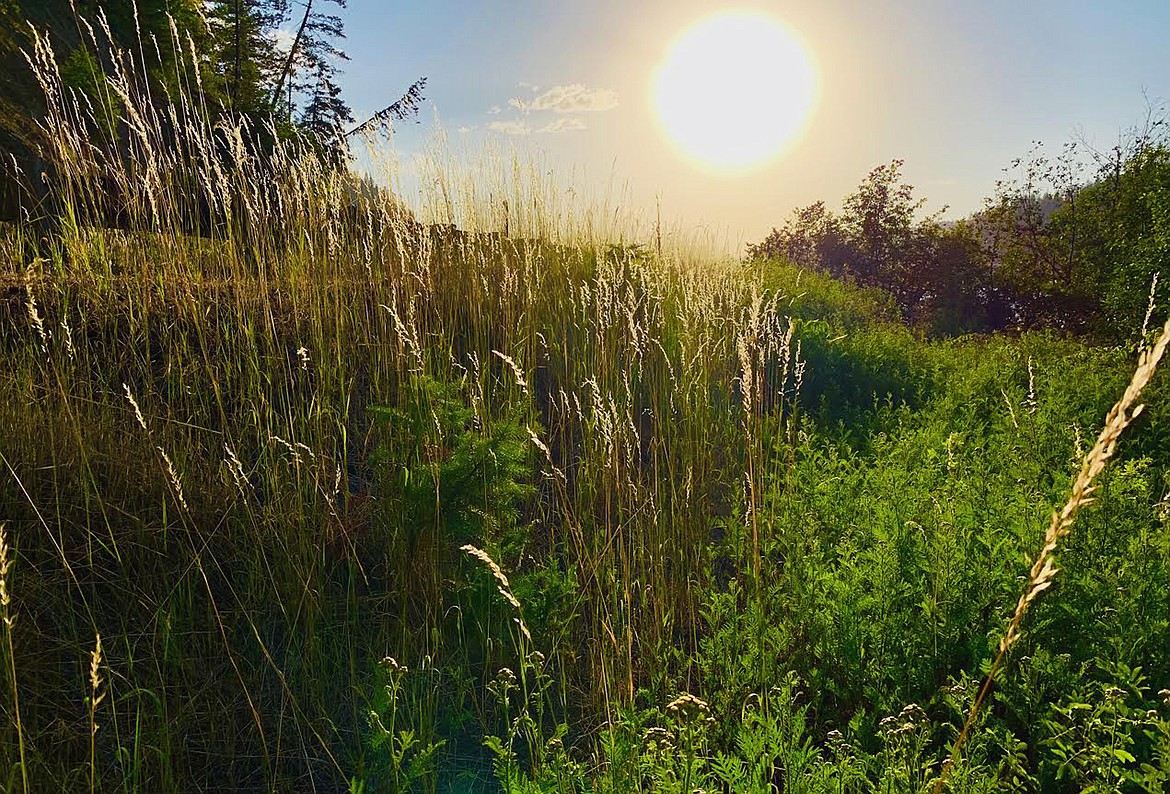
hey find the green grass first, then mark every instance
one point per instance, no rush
(249, 461)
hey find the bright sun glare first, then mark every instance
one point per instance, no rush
(735, 90)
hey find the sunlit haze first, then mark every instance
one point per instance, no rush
(734, 91)
(643, 100)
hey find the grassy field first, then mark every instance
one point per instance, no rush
(305, 491)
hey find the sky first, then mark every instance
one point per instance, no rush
(955, 89)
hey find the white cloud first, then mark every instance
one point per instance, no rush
(464, 130)
(283, 39)
(564, 125)
(574, 98)
(513, 127)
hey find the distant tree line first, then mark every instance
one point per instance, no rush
(1071, 242)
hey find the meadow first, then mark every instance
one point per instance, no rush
(304, 490)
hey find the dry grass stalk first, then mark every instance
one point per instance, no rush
(502, 583)
(543, 447)
(1150, 303)
(34, 315)
(9, 620)
(96, 696)
(5, 596)
(516, 370)
(1044, 570)
(134, 405)
(95, 674)
(236, 468)
(173, 476)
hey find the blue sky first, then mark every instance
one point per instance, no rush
(955, 89)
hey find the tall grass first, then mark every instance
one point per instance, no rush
(191, 375)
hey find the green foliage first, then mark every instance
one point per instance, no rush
(401, 757)
(224, 59)
(934, 274)
(1119, 225)
(82, 72)
(1095, 737)
(814, 296)
(242, 55)
(529, 757)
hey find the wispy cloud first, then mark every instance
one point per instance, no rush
(572, 98)
(564, 125)
(512, 127)
(522, 127)
(465, 129)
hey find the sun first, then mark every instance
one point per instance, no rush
(735, 90)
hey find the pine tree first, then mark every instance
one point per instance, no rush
(242, 52)
(326, 115)
(310, 69)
